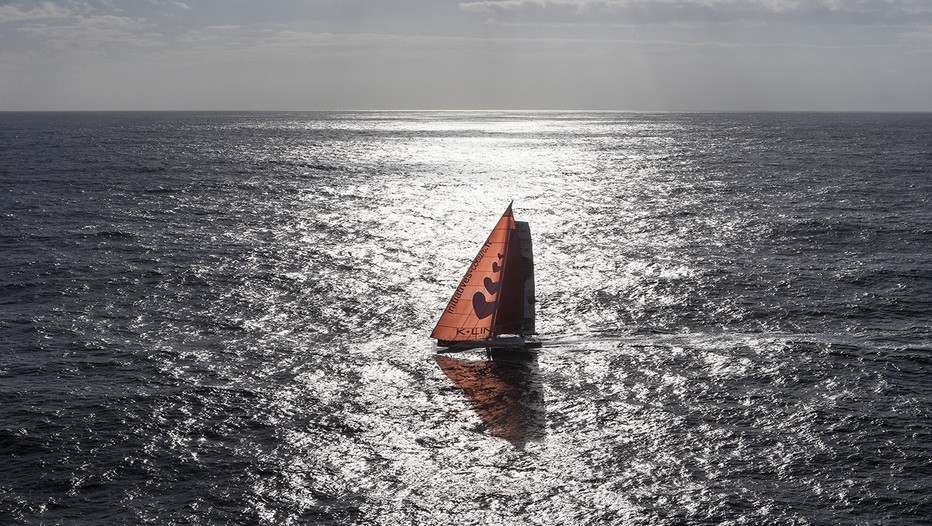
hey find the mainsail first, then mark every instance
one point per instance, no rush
(496, 295)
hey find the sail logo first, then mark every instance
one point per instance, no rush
(451, 307)
(473, 331)
(480, 305)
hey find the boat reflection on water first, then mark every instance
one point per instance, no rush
(505, 390)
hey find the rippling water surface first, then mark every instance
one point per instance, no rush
(223, 318)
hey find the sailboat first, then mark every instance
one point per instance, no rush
(493, 306)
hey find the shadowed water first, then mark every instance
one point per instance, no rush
(223, 318)
(505, 392)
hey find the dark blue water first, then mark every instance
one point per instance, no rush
(223, 318)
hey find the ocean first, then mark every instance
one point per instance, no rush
(224, 318)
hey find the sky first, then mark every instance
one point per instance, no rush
(627, 55)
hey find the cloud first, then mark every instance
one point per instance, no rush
(171, 3)
(44, 11)
(97, 33)
(851, 12)
(922, 37)
(62, 30)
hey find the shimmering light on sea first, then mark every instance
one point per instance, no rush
(223, 318)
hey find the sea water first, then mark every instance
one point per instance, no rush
(223, 318)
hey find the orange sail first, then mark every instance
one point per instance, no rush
(491, 299)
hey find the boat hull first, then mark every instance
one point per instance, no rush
(515, 342)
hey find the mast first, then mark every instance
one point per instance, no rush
(510, 313)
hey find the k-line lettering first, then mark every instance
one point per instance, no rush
(475, 331)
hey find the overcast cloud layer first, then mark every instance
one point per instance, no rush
(496, 54)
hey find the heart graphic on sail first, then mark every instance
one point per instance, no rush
(492, 286)
(483, 307)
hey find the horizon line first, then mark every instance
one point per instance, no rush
(456, 110)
